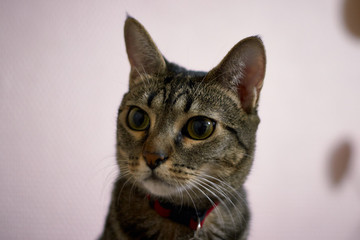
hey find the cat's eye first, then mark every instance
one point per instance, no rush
(199, 128)
(138, 119)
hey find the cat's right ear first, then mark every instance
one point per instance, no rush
(144, 57)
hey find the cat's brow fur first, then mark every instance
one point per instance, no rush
(196, 173)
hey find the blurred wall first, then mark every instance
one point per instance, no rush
(64, 69)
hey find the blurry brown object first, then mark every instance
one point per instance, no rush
(352, 16)
(340, 161)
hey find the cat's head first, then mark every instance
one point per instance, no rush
(179, 131)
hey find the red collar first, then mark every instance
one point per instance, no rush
(185, 215)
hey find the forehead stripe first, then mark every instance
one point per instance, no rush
(151, 97)
(168, 79)
(189, 102)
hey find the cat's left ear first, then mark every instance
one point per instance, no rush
(243, 70)
(144, 57)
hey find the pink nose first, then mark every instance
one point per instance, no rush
(153, 160)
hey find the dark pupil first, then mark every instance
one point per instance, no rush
(138, 118)
(200, 127)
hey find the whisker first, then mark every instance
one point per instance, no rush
(202, 184)
(128, 176)
(193, 184)
(191, 199)
(223, 191)
(230, 189)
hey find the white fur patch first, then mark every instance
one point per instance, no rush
(159, 188)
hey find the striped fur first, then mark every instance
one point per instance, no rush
(185, 171)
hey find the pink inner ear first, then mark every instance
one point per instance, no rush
(243, 71)
(249, 83)
(244, 98)
(144, 56)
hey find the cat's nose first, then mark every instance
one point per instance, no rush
(154, 159)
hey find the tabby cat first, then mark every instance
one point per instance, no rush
(185, 144)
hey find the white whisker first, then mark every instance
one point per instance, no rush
(224, 192)
(193, 184)
(206, 187)
(228, 188)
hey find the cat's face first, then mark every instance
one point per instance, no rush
(180, 132)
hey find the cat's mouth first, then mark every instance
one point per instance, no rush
(157, 186)
(154, 177)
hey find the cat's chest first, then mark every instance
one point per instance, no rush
(153, 226)
(139, 220)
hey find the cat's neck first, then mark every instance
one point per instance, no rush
(131, 191)
(128, 191)
(189, 216)
(131, 204)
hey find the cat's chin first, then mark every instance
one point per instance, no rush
(158, 187)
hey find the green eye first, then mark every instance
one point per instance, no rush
(138, 119)
(199, 128)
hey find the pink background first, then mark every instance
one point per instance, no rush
(63, 71)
